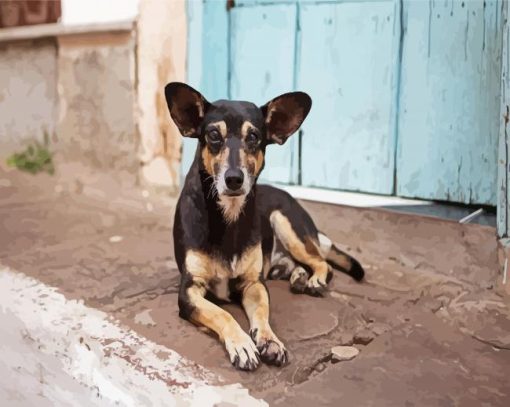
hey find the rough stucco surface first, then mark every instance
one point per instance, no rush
(100, 96)
(161, 58)
(96, 123)
(28, 102)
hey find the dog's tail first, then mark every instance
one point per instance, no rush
(340, 260)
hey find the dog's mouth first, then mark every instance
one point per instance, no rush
(230, 193)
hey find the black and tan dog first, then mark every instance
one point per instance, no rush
(228, 231)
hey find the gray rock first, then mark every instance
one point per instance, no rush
(343, 353)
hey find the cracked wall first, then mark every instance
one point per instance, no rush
(28, 102)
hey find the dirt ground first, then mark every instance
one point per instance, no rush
(428, 321)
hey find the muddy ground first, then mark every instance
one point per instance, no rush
(431, 327)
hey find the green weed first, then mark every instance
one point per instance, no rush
(35, 158)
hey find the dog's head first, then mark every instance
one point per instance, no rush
(233, 135)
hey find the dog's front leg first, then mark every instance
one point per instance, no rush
(194, 307)
(256, 304)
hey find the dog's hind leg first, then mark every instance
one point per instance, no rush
(282, 263)
(306, 252)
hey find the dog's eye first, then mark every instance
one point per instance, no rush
(214, 137)
(252, 138)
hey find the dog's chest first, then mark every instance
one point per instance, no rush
(220, 284)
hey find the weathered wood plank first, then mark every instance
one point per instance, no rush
(348, 64)
(262, 67)
(450, 100)
(503, 164)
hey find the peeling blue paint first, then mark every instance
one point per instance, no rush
(406, 93)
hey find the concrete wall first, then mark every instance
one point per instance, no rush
(98, 90)
(28, 102)
(96, 86)
(161, 58)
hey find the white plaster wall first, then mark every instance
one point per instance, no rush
(28, 102)
(96, 91)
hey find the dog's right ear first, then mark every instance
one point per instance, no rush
(187, 107)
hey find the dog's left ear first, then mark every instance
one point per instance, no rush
(187, 107)
(285, 114)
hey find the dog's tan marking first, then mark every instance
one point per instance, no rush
(246, 127)
(221, 126)
(208, 160)
(208, 314)
(308, 253)
(250, 265)
(231, 206)
(205, 267)
(312, 247)
(213, 271)
(256, 305)
(253, 162)
(213, 162)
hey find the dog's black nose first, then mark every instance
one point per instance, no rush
(234, 179)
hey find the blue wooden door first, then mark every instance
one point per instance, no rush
(449, 100)
(262, 59)
(405, 92)
(349, 63)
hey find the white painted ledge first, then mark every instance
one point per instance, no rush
(60, 352)
(356, 199)
(57, 30)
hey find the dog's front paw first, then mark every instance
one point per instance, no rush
(272, 350)
(316, 286)
(242, 351)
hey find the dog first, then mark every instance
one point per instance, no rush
(229, 232)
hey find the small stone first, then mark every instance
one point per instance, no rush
(144, 318)
(364, 337)
(343, 353)
(320, 367)
(116, 239)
